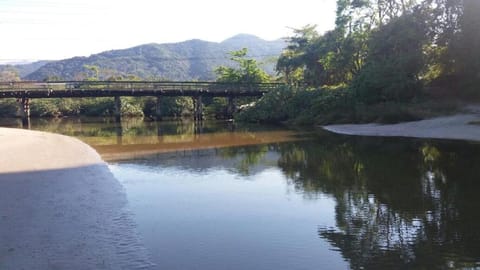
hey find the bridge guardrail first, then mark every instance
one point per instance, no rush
(135, 86)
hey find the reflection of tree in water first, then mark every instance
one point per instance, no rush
(400, 205)
(249, 156)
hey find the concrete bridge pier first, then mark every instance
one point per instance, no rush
(197, 108)
(118, 109)
(23, 111)
(158, 109)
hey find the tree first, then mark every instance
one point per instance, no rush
(394, 62)
(466, 47)
(93, 72)
(245, 71)
(299, 57)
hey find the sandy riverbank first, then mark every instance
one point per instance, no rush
(61, 208)
(455, 127)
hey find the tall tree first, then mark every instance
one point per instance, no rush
(467, 46)
(298, 56)
(395, 60)
(246, 70)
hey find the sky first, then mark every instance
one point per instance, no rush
(59, 29)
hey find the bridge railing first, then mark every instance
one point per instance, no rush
(136, 86)
(31, 85)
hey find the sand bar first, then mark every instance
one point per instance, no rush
(61, 208)
(455, 127)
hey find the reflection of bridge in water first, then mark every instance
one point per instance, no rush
(118, 149)
(24, 91)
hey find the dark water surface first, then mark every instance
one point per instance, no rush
(224, 196)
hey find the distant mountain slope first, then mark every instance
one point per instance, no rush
(188, 60)
(24, 69)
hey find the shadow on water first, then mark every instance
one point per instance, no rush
(400, 203)
(65, 218)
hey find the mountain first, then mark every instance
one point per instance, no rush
(23, 69)
(189, 60)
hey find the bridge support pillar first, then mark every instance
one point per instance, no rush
(24, 111)
(197, 108)
(118, 109)
(158, 109)
(230, 107)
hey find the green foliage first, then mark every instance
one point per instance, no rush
(97, 106)
(384, 49)
(272, 107)
(330, 59)
(300, 106)
(92, 72)
(85, 106)
(169, 106)
(8, 107)
(299, 61)
(246, 70)
(44, 108)
(216, 107)
(394, 62)
(329, 105)
(466, 49)
(131, 107)
(333, 105)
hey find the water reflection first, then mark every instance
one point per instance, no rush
(399, 203)
(134, 138)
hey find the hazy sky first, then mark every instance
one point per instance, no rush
(56, 29)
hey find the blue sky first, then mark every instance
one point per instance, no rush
(57, 29)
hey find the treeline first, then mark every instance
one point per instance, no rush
(130, 106)
(382, 62)
(105, 107)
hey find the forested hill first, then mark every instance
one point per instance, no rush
(12, 72)
(188, 60)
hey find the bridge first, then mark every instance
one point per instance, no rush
(23, 91)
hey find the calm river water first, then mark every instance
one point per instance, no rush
(225, 196)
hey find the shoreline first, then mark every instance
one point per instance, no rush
(61, 207)
(455, 127)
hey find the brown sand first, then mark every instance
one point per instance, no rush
(61, 208)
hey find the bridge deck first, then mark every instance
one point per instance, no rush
(32, 89)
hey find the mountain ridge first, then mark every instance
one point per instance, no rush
(192, 59)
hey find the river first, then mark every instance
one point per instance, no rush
(229, 196)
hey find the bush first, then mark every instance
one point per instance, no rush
(300, 106)
(169, 106)
(97, 107)
(44, 108)
(131, 107)
(272, 107)
(8, 107)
